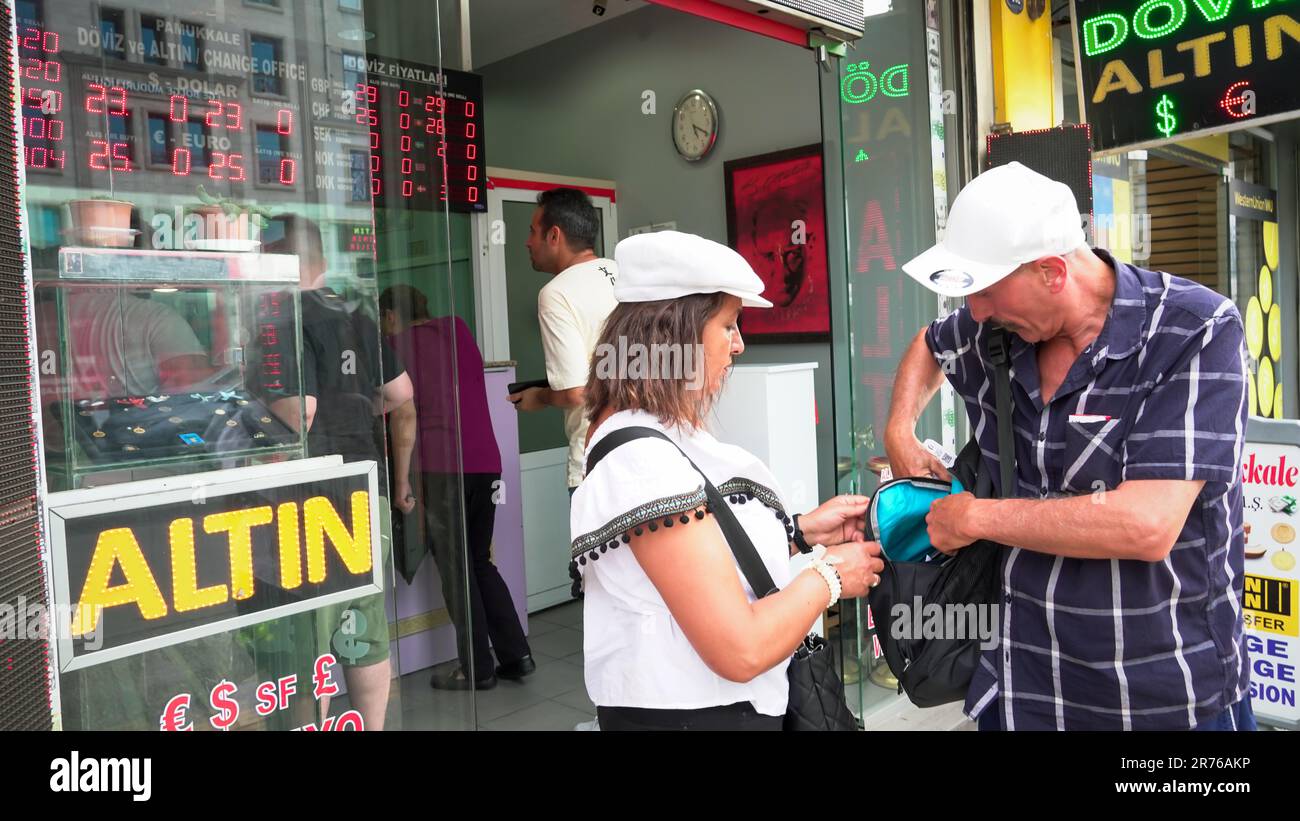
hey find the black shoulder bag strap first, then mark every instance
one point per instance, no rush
(741, 546)
(999, 351)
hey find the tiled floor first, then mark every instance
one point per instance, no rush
(552, 698)
(555, 697)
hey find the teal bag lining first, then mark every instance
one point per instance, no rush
(897, 517)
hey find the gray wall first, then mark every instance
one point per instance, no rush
(573, 107)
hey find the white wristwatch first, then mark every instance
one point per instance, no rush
(830, 576)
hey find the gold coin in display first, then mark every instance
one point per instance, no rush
(137, 430)
(1254, 328)
(164, 409)
(1265, 377)
(1265, 288)
(1277, 402)
(1271, 255)
(259, 435)
(99, 434)
(1283, 560)
(266, 420)
(230, 423)
(131, 448)
(242, 402)
(1250, 389)
(1275, 333)
(220, 412)
(1283, 533)
(175, 420)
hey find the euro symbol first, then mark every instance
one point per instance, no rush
(1235, 100)
(173, 717)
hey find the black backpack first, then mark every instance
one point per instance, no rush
(934, 671)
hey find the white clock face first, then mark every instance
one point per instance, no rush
(695, 125)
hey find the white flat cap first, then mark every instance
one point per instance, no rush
(670, 264)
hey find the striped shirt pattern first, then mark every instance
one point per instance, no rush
(1160, 394)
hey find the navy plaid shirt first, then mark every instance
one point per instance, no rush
(1160, 394)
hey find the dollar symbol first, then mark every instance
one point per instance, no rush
(1165, 109)
(227, 708)
(349, 647)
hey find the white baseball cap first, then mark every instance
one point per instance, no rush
(1005, 217)
(669, 264)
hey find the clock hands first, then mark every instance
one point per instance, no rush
(703, 133)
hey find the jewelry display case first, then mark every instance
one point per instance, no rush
(157, 363)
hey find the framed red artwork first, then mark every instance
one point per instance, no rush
(776, 220)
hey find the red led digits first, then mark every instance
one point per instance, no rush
(109, 100)
(34, 68)
(210, 119)
(288, 171)
(179, 110)
(181, 162)
(284, 122)
(96, 99)
(47, 100)
(227, 167)
(110, 156)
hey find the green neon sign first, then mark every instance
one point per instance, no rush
(1166, 122)
(1144, 28)
(861, 85)
(1153, 20)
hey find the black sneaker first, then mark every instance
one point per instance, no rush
(516, 670)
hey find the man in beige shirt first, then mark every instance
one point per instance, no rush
(571, 308)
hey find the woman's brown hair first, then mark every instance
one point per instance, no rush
(673, 399)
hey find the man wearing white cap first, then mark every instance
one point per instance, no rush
(1122, 584)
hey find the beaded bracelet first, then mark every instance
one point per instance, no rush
(796, 536)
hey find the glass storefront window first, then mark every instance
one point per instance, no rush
(217, 389)
(893, 113)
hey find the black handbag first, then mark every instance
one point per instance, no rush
(816, 691)
(938, 670)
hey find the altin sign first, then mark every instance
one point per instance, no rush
(1157, 70)
(145, 565)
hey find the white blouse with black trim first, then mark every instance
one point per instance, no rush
(636, 654)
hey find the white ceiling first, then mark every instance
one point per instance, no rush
(502, 28)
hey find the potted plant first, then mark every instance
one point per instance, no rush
(102, 221)
(229, 224)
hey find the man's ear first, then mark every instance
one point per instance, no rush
(1054, 272)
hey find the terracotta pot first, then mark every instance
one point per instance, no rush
(102, 223)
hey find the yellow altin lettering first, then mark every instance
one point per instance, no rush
(186, 595)
(117, 548)
(239, 524)
(321, 520)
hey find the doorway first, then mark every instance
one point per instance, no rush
(507, 303)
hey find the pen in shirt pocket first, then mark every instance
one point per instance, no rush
(1089, 417)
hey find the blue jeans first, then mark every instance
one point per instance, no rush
(1240, 717)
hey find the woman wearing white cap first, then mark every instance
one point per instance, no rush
(674, 636)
